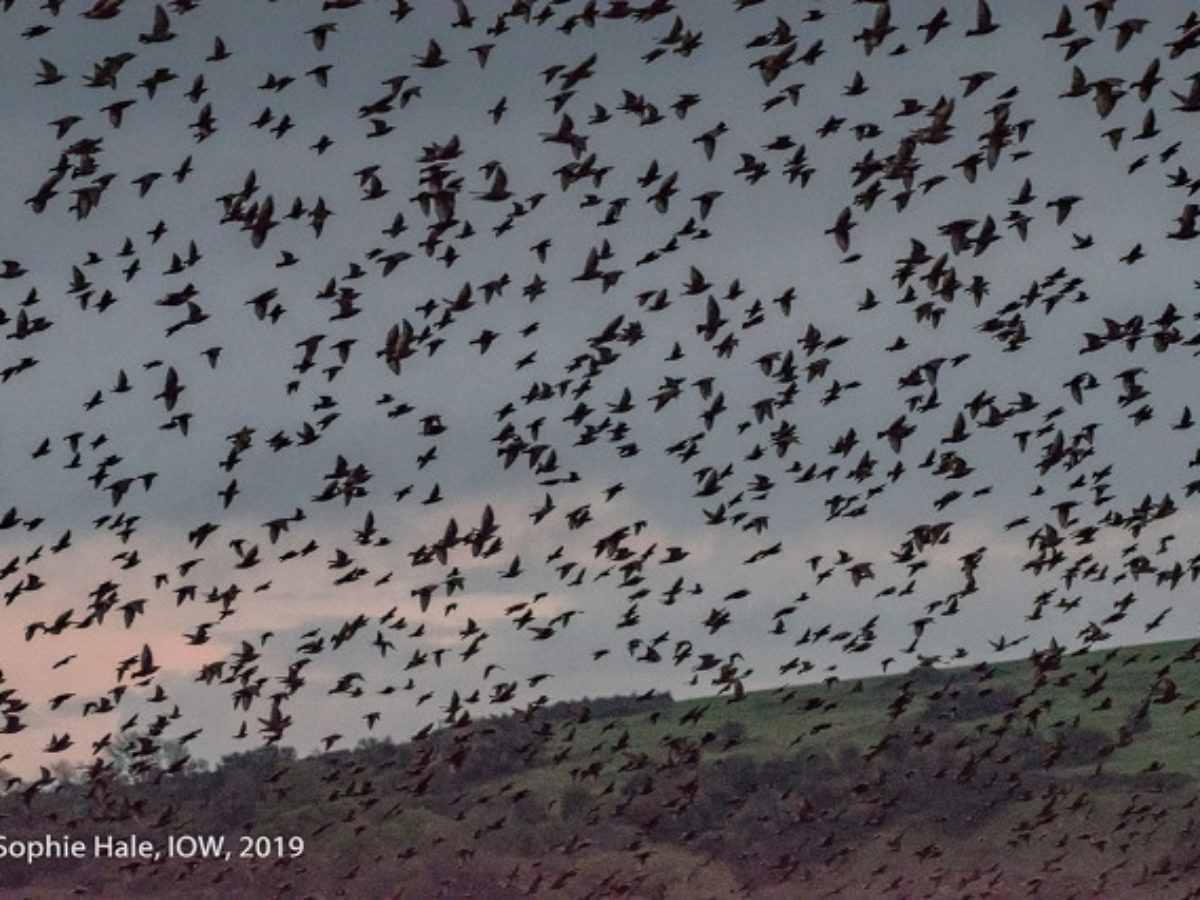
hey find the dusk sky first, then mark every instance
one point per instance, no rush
(713, 347)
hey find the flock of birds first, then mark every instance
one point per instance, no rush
(732, 345)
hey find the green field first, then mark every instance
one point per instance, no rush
(1064, 775)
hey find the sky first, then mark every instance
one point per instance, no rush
(682, 446)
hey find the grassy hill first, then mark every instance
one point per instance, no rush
(1057, 774)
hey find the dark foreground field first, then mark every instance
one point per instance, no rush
(1060, 775)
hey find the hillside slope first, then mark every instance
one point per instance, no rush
(1058, 773)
